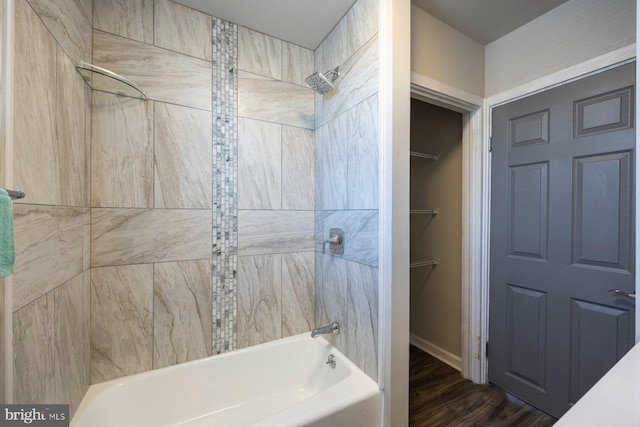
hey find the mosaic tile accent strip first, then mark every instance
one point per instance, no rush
(225, 186)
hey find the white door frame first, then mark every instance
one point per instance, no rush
(476, 190)
(475, 221)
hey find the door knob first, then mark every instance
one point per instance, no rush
(623, 294)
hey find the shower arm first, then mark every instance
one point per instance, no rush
(333, 74)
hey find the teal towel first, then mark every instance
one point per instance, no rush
(7, 249)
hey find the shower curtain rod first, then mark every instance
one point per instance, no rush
(15, 194)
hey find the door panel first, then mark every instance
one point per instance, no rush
(526, 335)
(561, 237)
(528, 195)
(592, 355)
(604, 113)
(601, 210)
(530, 129)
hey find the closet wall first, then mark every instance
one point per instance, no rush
(436, 318)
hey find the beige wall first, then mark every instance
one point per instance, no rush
(436, 298)
(573, 32)
(576, 31)
(445, 54)
(51, 279)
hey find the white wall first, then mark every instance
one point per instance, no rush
(445, 54)
(395, 38)
(574, 32)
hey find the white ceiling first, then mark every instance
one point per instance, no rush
(303, 22)
(307, 22)
(486, 20)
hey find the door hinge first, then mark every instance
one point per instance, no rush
(486, 349)
(490, 143)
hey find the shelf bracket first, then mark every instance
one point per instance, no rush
(424, 156)
(424, 263)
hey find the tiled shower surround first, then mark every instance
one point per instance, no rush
(161, 231)
(275, 189)
(346, 163)
(51, 283)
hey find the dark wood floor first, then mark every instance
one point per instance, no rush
(439, 396)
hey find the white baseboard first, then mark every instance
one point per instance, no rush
(437, 352)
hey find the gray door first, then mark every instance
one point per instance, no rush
(561, 237)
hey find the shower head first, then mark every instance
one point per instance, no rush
(323, 83)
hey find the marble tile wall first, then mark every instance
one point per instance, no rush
(362, 309)
(297, 63)
(363, 145)
(121, 321)
(51, 346)
(276, 187)
(276, 296)
(190, 77)
(152, 190)
(259, 299)
(73, 101)
(35, 96)
(139, 236)
(362, 24)
(274, 231)
(71, 339)
(132, 19)
(69, 23)
(360, 234)
(347, 159)
(331, 296)
(264, 98)
(182, 170)
(121, 152)
(51, 164)
(87, 9)
(298, 293)
(347, 292)
(180, 29)
(259, 53)
(331, 164)
(333, 51)
(259, 164)
(347, 174)
(49, 242)
(358, 81)
(181, 312)
(297, 169)
(353, 46)
(156, 191)
(33, 352)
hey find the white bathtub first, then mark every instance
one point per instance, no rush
(280, 383)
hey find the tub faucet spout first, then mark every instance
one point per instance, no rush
(333, 328)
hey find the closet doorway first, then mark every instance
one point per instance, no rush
(436, 231)
(465, 110)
